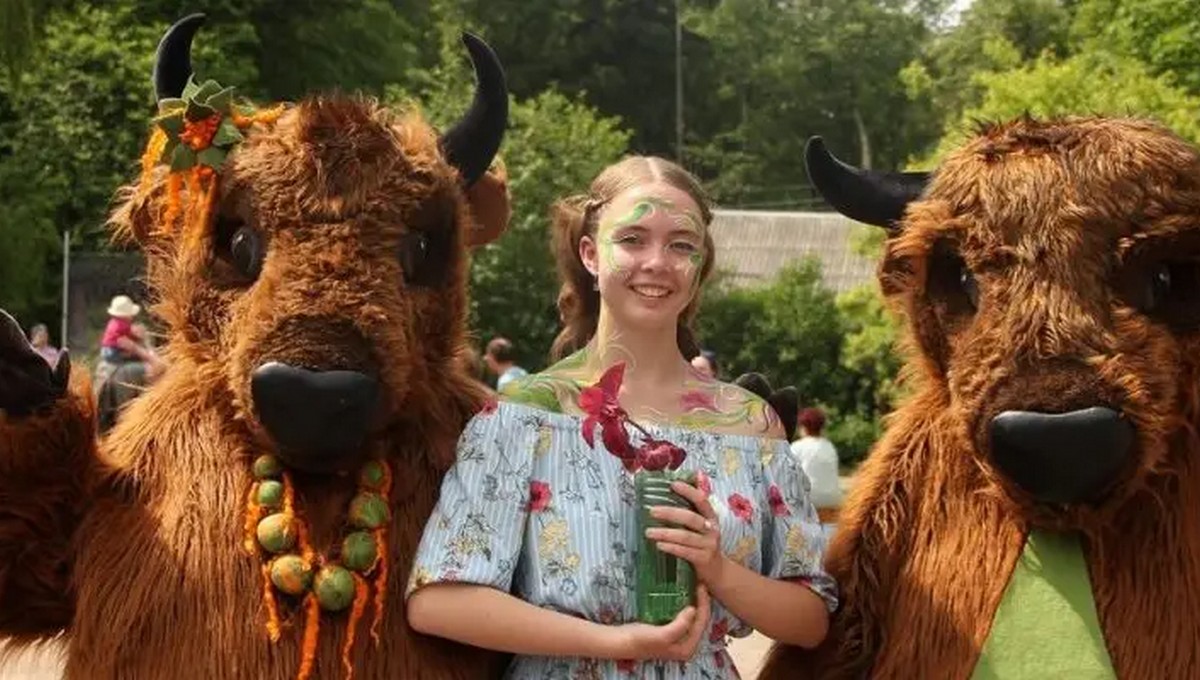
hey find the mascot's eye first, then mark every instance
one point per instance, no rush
(421, 257)
(1158, 288)
(240, 247)
(1171, 293)
(246, 251)
(951, 282)
(967, 281)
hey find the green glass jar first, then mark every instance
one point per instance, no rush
(665, 583)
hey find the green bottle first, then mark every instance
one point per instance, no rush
(665, 583)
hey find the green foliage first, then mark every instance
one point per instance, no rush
(1159, 33)
(788, 331)
(784, 71)
(837, 351)
(1087, 83)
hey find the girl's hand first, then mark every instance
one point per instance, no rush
(675, 641)
(699, 539)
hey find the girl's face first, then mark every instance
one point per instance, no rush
(647, 254)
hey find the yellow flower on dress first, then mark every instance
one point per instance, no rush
(544, 440)
(419, 578)
(553, 538)
(744, 550)
(766, 451)
(731, 461)
(795, 543)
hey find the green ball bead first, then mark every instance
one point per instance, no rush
(276, 533)
(266, 467)
(334, 587)
(369, 511)
(372, 476)
(270, 493)
(291, 574)
(358, 551)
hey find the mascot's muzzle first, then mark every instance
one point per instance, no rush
(318, 419)
(1060, 458)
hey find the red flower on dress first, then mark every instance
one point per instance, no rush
(718, 631)
(627, 665)
(603, 408)
(539, 496)
(703, 483)
(779, 506)
(741, 506)
(490, 406)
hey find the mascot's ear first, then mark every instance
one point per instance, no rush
(785, 401)
(491, 205)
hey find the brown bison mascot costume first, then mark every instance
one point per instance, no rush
(1033, 510)
(254, 514)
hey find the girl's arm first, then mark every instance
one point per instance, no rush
(485, 617)
(782, 610)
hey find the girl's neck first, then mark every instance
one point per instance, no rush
(651, 355)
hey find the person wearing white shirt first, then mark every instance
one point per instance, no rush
(819, 459)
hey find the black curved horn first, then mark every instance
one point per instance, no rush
(474, 140)
(173, 59)
(869, 196)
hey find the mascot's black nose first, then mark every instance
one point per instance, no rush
(1062, 457)
(317, 418)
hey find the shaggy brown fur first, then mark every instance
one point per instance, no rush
(134, 549)
(1062, 223)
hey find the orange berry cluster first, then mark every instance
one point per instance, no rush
(199, 134)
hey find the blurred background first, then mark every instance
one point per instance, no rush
(731, 88)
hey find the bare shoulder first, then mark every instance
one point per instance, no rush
(555, 389)
(725, 408)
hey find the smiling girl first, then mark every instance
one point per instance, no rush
(532, 547)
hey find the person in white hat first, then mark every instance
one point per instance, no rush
(119, 343)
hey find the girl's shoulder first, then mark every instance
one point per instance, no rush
(551, 390)
(726, 408)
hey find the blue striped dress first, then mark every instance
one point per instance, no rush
(529, 508)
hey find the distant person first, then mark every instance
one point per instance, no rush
(39, 337)
(501, 359)
(120, 343)
(819, 458)
(705, 363)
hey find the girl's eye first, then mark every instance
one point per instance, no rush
(684, 247)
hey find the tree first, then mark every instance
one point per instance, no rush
(1159, 33)
(785, 71)
(1088, 83)
(993, 35)
(789, 331)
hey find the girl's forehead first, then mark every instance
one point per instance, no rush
(661, 195)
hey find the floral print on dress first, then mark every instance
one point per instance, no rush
(530, 508)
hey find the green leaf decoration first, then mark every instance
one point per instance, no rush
(182, 158)
(171, 105)
(197, 111)
(227, 135)
(212, 157)
(168, 150)
(190, 89)
(172, 124)
(208, 89)
(221, 100)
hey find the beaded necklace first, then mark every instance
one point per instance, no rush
(323, 583)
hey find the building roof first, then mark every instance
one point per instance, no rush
(752, 246)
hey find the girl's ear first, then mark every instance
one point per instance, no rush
(588, 253)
